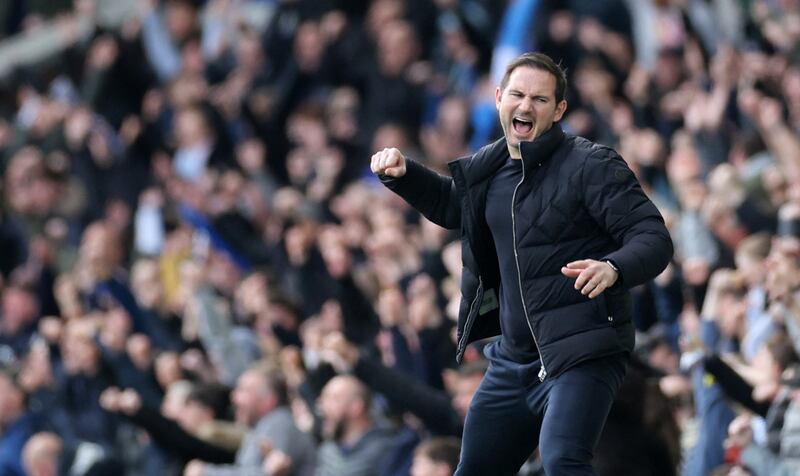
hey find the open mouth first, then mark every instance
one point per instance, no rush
(522, 126)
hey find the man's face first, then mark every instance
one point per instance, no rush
(194, 415)
(250, 397)
(463, 392)
(336, 406)
(527, 107)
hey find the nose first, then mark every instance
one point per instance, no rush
(526, 104)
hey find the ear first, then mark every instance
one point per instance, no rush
(498, 94)
(561, 108)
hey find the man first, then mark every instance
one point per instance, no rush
(354, 444)
(41, 454)
(45, 455)
(17, 424)
(261, 403)
(554, 231)
(436, 457)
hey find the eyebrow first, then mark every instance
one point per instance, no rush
(535, 96)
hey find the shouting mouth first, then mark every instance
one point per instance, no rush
(522, 126)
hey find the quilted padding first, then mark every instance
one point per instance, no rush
(577, 200)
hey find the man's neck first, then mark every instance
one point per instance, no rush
(516, 150)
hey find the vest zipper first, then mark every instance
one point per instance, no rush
(542, 371)
(462, 343)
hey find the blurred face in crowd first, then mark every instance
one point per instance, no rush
(594, 82)
(390, 135)
(168, 369)
(752, 268)
(397, 48)
(80, 353)
(252, 295)
(195, 414)
(527, 107)
(252, 398)
(308, 46)
(662, 357)
(187, 89)
(191, 128)
(181, 17)
(422, 465)
(683, 165)
(146, 283)
(463, 391)
(341, 113)
(783, 272)
(339, 403)
(116, 328)
(19, 309)
(140, 351)
(381, 12)
(669, 70)
(23, 170)
(100, 249)
(249, 53)
(41, 454)
(732, 310)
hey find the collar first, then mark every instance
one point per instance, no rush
(542, 148)
(491, 157)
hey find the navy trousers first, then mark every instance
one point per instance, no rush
(512, 413)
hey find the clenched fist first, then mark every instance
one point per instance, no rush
(389, 162)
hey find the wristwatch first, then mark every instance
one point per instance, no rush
(613, 266)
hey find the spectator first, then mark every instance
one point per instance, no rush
(354, 443)
(436, 457)
(260, 400)
(44, 455)
(18, 424)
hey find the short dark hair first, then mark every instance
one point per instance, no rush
(213, 396)
(781, 348)
(542, 62)
(441, 450)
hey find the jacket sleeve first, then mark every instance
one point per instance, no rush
(176, 440)
(429, 193)
(434, 407)
(614, 198)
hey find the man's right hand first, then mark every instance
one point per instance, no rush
(389, 162)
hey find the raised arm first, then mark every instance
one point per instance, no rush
(429, 193)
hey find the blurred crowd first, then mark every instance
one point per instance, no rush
(199, 275)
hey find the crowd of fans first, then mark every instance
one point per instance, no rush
(200, 276)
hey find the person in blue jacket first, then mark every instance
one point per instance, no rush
(17, 424)
(555, 230)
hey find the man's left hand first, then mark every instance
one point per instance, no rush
(593, 277)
